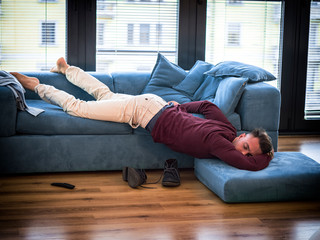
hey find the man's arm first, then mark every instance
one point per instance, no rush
(208, 109)
(227, 153)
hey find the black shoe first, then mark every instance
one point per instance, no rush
(171, 176)
(134, 177)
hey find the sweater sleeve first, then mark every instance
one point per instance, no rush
(208, 109)
(227, 153)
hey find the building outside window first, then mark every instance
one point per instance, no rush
(159, 34)
(33, 34)
(135, 32)
(100, 33)
(234, 34)
(48, 33)
(130, 33)
(144, 34)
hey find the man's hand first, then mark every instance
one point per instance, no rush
(174, 103)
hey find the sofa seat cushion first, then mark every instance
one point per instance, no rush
(54, 121)
(290, 176)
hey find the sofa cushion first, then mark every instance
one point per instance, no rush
(169, 94)
(60, 82)
(234, 119)
(8, 112)
(289, 176)
(228, 94)
(166, 73)
(130, 82)
(54, 121)
(207, 90)
(232, 68)
(164, 76)
(194, 79)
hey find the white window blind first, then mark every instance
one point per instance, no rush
(245, 31)
(134, 32)
(312, 101)
(32, 34)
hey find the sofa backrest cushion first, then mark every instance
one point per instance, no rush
(130, 82)
(60, 82)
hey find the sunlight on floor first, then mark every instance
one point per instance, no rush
(312, 150)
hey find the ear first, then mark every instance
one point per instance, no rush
(242, 135)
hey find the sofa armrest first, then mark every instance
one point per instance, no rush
(259, 106)
(8, 113)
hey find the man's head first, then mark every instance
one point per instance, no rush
(254, 143)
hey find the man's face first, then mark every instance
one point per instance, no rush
(247, 144)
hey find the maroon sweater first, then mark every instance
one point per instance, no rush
(203, 138)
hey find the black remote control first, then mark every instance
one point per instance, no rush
(64, 185)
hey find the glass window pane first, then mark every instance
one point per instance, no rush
(312, 101)
(233, 36)
(32, 34)
(134, 32)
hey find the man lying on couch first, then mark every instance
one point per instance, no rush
(170, 123)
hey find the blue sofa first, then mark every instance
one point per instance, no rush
(54, 141)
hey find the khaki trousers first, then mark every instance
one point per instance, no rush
(134, 110)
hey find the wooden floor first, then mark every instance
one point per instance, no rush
(102, 206)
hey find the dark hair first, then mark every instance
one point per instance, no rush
(265, 141)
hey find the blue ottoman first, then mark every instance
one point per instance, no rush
(289, 176)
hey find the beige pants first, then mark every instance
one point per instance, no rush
(134, 110)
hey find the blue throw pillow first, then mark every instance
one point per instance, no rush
(228, 94)
(194, 78)
(169, 94)
(232, 68)
(165, 73)
(207, 89)
(164, 76)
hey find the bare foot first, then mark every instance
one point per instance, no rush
(27, 82)
(61, 66)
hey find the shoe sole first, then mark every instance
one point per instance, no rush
(134, 179)
(170, 184)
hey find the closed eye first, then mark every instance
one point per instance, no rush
(246, 146)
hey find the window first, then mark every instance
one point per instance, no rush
(234, 1)
(232, 35)
(312, 100)
(48, 33)
(49, 1)
(144, 34)
(135, 32)
(33, 34)
(100, 33)
(130, 33)
(159, 34)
